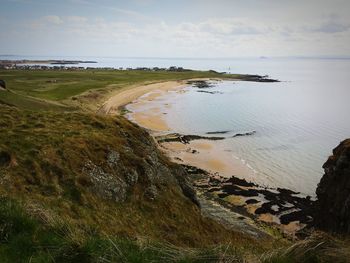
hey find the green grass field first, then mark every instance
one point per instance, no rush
(37, 89)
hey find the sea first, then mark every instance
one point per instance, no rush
(297, 121)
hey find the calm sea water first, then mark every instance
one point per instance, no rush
(297, 121)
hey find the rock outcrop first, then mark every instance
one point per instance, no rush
(113, 178)
(332, 211)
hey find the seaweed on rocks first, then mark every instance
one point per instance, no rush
(185, 139)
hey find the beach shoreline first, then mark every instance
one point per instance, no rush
(127, 95)
(205, 155)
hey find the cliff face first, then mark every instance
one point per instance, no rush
(333, 192)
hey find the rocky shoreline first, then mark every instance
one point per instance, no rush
(185, 139)
(252, 204)
(287, 210)
(237, 203)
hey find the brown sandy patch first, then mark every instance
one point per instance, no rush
(235, 200)
(252, 207)
(207, 155)
(216, 164)
(292, 227)
(151, 122)
(167, 106)
(202, 145)
(175, 146)
(155, 110)
(269, 218)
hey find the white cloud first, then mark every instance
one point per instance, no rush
(210, 37)
(56, 20)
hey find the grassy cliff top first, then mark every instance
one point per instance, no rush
(58, 89)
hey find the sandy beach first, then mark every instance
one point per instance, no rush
(204, 153)
(147, 105)
(129, 94)
(147, 110)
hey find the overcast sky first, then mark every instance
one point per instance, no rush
(176, 28)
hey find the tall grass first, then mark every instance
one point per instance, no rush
(32, 234)
(318, 248)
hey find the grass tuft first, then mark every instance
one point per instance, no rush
(318, 248)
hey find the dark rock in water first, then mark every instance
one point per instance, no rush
(210, 92)
(332, 209)
(217, 132)
(258, 78)
(244, 134)
(201, 84)
(185, 139)
(2, 84)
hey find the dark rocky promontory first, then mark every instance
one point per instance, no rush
(333, 192)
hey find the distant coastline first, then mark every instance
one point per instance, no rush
(49, 62)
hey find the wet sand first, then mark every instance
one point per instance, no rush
(148, 111)
(129, 94)
(207, 155)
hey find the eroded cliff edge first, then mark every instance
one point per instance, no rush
(333, 192)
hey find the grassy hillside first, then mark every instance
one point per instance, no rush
(80, 187)
(44, 166)
(61, 86)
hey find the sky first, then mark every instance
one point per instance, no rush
(175, 28)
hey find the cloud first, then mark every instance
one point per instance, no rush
(231, 27)
(56, 20)
(226, 36)
(77, 19)
(331, 27)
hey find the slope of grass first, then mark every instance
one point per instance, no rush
(42, 155)
(25, 238)
(317, 248)
(24, 102)
(60, 85)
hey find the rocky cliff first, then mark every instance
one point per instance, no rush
(333, 192)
